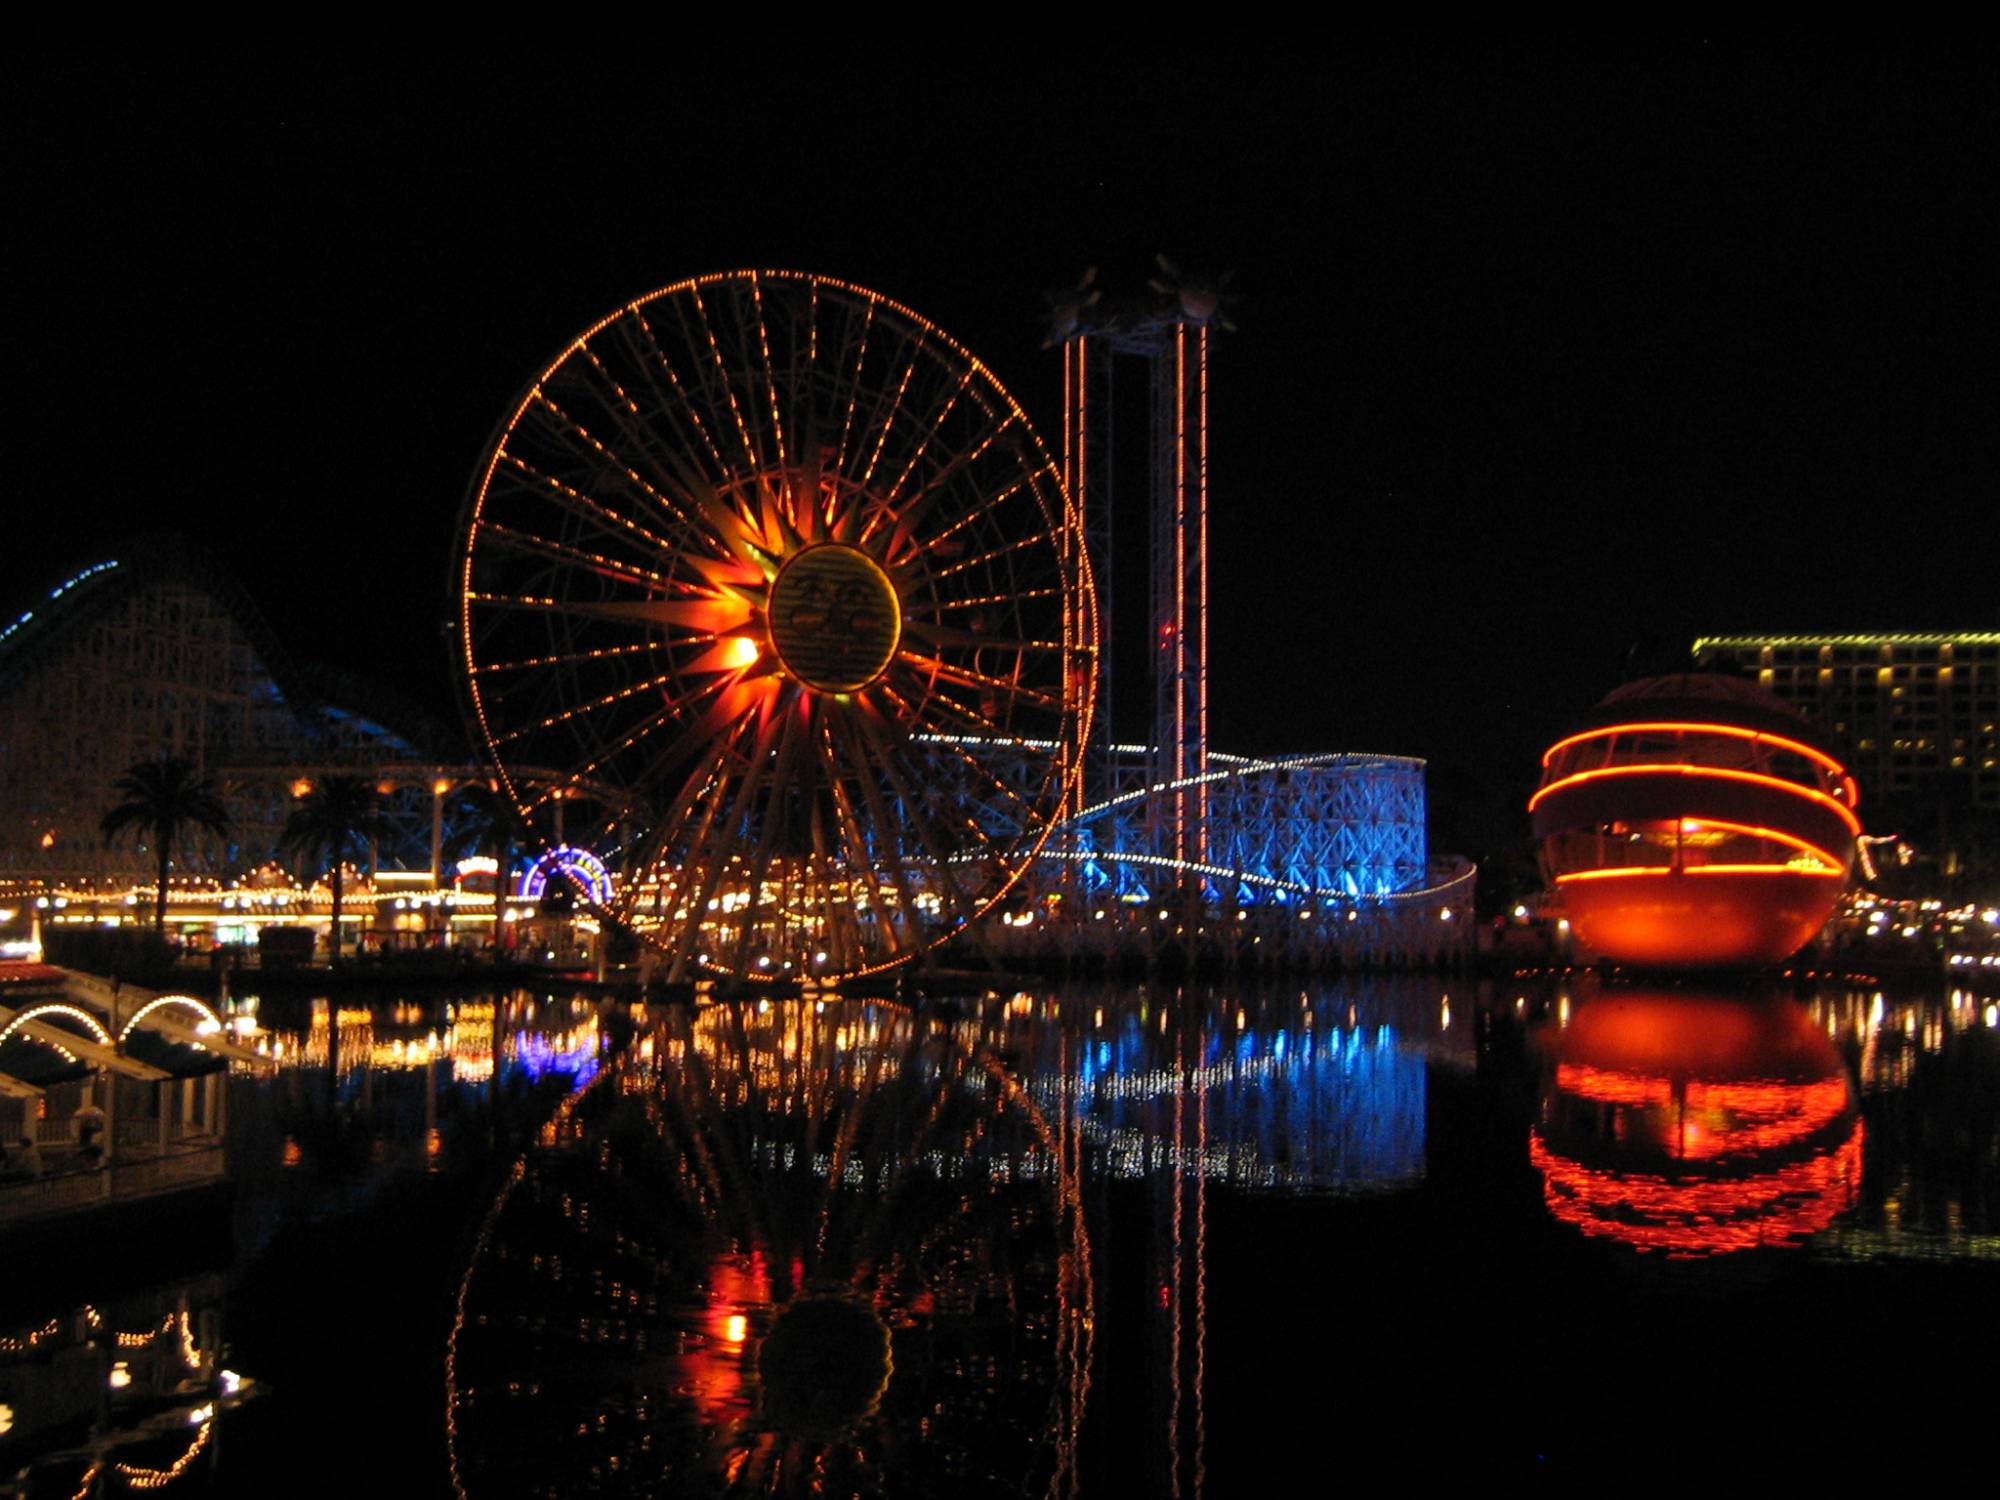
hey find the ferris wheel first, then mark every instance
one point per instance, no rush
(770, 581)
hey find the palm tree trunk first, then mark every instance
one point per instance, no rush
(333, 938)
(503, 935)
(160, 897)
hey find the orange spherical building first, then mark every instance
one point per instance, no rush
(1695, 821)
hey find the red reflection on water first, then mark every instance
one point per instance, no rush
(1753, 1116)
(712, 1362)
(1611, 1086)
(1691, 1125)
(1702, 1217)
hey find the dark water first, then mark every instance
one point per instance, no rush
(1100, 1242)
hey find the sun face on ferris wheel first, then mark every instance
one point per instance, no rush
(770, 582)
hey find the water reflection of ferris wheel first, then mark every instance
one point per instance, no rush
(763, 563)
(806, 1247)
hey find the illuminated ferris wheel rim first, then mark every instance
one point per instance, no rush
(496, 449)
(769, 382)
(716, 278)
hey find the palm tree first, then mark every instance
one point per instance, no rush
(339, 816)
(495, 823)
(162, 800)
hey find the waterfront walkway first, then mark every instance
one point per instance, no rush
(70, 1187)
(111, 1093)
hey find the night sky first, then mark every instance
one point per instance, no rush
(1548, 359)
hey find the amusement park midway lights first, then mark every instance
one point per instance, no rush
(779, 633)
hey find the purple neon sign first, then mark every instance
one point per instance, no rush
(580, 865)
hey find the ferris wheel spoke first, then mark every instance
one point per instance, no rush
(919, 506)
(853, 385)
(679, 391)
(939, 863)
(625, 403)
(861, 847)
(836, 892)
(770, 373)
(582, 441)
(596, 449)
(928, 435)
(562, 659)
(759, 866)
(986, 506)
(1034, 540)
(812, 334)
(871, 751)
(754, 376)
(707, 616)
(708, 772)
(988, 601)
(709, 858)
(883, 418)
(801, 936)
(582, 710)
(525, 603)
(736, 701)
(752, 457)
(971, 640)
(607, 754)
(898, 879)
(666, 831)
(966, 677)
(597, 488)
(517, 540)
(535, 485)
(802, 386)
(701, 799)
(820, 887)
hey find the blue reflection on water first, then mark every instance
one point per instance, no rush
(1340, 1109)
(571, 1053)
